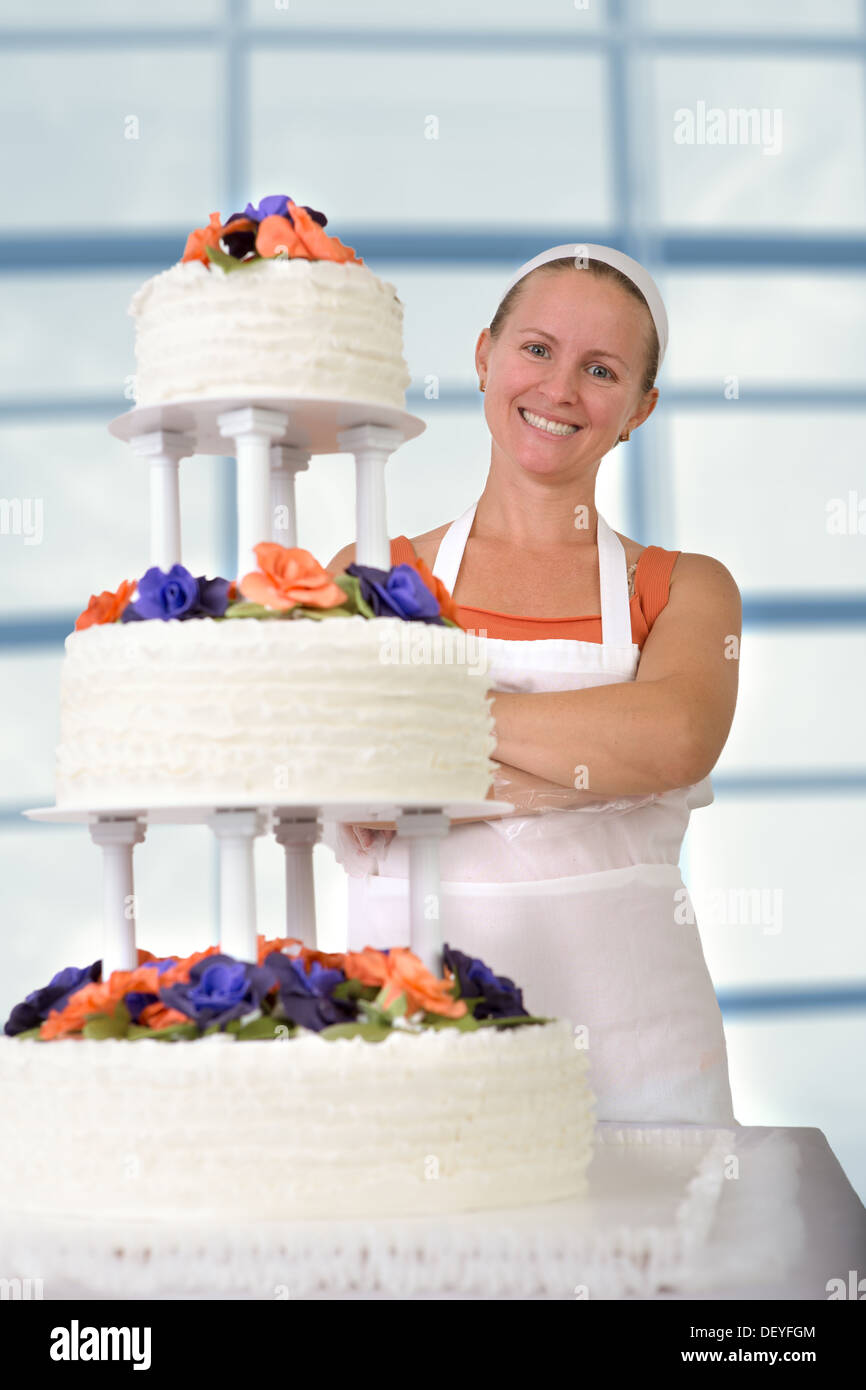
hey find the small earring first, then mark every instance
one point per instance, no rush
(625, 436)
(481, 386)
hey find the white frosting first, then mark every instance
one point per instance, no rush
(241, 710)
(436, 1122)
(285, 327)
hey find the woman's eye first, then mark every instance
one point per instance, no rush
(604, 369)
(536, 345)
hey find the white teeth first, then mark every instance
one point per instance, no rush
(551, 426)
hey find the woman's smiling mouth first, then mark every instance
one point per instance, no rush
(552, 428)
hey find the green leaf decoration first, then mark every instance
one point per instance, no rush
(233, 1026)
(471, 1001)
(353, 989)
(466, 1024)
(397, 1007)
(371, 1032)
(300, 612)
(266, 1027)
(29, 1033)
(351, 586)
(254, 610)
(220, 258)
(102, 1026)
(175, 1032)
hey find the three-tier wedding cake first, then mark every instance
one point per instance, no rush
(271, 1078)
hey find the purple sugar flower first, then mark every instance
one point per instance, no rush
(276, 205)
(164, 594)
(213, 597)
(399, 592)
(176, 593)
(307, 999)
(38, 1005)
(219, 989)
(501, 997)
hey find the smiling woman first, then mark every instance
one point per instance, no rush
(607, 723)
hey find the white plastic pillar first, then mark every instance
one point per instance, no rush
(372, 446)
(424, 830)
(286, 461)
(253, 430)
(164, 449)
(235, 832)
(298, 835)
(116, 839)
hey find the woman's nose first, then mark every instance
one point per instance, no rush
(562, 386)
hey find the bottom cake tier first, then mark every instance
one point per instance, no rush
(425, 1123)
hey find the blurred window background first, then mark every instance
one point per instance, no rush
(723, 146)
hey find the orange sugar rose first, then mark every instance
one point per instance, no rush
(307, 239)
(106, 607)
(100, 998)
(289, 576)
(370, 967)
(407, 974)
(159, 1015)
(203, 237)
(179, 973)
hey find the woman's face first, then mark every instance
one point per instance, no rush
(571, 354)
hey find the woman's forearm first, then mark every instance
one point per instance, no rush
(625, 739)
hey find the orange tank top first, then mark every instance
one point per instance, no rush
(652, 582)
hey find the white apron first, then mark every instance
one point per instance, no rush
(584, 908)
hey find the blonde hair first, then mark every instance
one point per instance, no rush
(601, 270)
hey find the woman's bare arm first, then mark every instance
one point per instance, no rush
(663, 730)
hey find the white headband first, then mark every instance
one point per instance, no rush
(630, 268)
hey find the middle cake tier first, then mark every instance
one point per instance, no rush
(255, 710)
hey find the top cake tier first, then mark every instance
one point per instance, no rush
(282, 326)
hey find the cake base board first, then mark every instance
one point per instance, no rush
(659, 1220)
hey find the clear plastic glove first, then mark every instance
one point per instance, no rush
(367, 835)
(357, 847)
(532, 795)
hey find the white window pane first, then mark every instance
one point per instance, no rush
(52, 891)
(815, 144)
(73, 112)
(67, 362)
(91, 493)
(59, 14)
(760, 489)
(765, 329)
(29, 723)
(776, 884)
(444, 310)
(740, 16)
(800, 700)
(519, 140)
(804, 1069)
(496, 15)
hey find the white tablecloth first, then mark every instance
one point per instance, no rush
(674, 1212)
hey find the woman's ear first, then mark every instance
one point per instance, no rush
(647, 406)
(482, 353)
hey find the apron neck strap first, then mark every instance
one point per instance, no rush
(613, 583)
(612, 574)
(451, 548)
